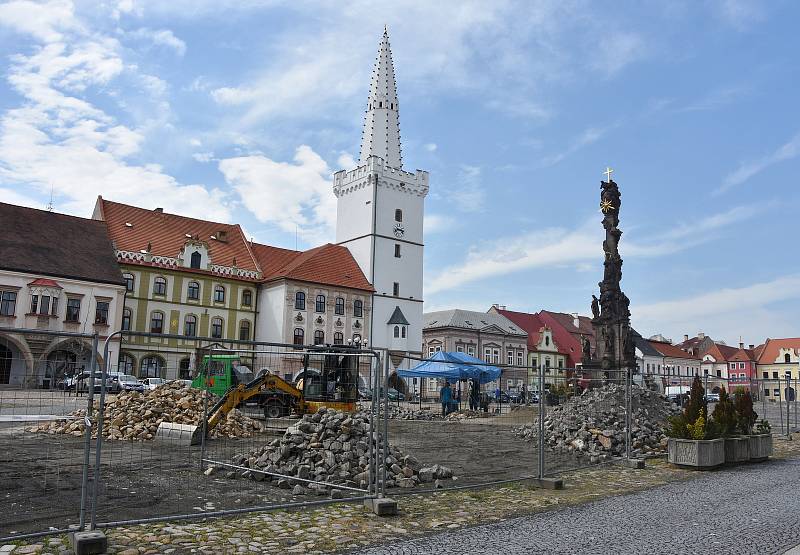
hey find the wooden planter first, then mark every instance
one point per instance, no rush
(760, 447)
(737, 449)
(700, 454)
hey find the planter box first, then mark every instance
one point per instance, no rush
(760, 447)
(701, 454)
(737, 449)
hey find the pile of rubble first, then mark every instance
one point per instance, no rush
(467, 414)
(402, 413)
(593, 424)
(136, 416)
(331, 446)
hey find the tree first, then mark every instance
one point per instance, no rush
(697, 401)
(725, 417)
(746, 416)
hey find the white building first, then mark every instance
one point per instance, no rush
(58, 273)
(380, 212)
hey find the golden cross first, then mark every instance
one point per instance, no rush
(608, 173)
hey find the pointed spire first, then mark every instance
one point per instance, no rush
(381, 136)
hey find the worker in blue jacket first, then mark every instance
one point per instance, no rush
(445, 397)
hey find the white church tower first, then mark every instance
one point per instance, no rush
(379, 216)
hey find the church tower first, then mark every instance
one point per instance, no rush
(379, 216)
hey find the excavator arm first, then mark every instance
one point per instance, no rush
(242, 392)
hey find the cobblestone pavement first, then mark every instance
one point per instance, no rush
(750, 509)
(672, 507)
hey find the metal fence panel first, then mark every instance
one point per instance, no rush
(44, 474)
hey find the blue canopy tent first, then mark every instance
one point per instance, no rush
(453, 367)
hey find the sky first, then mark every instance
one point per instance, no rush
(241, 111)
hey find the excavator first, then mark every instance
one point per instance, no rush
(329, 379)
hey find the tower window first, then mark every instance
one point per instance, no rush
(398, 215)
(397, 331)
(396, 289)
(403, 330)
(397, 250)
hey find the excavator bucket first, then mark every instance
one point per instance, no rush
(180, 434)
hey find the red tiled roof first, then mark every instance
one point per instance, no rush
(722, 353)
(328, 264)
(531, 323)
(744, 355)
(772, 348)
(567, 336)
(669, 350)
(45, 283)
(167, 234)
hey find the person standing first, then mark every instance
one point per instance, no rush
(445, 397)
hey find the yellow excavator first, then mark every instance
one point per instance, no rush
(333, 385)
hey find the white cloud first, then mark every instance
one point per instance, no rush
(430, 147)
(437, 223)
(290, 195)
(469, 195)
(717, 98)
(161, 37)
(203, 157)
(562, 247)
(58, 138)
(740, 14)
(730, 312)
(617, 50)
(346, 161)
(589, 136)
(747, 170)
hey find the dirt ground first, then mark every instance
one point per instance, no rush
(40, 482)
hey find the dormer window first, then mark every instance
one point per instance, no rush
(196, 259)
(398, 215)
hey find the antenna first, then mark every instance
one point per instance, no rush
(295, 236)
(50, 204)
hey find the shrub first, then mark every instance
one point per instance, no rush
(697, 401)
(677, 427)
(692, 422)
(746, 416)
(725, 418)
(763, 427)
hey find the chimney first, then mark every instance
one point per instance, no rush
(686, 337)
(751, 346)
(575, 320)
(159, 210)
(495, 305)
(701, 335)
(222, 235)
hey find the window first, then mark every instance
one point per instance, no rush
(216, 328)
(126, 364)
(397, 331)
(766, 393)
(8, 303)
(300, 301)
(319, 305)
(244, 331)
(561, 363)
(547, 362)
(776, 392)
(339, 307)
(129, 281)
(719, 373)
(496, 356)
(73, 310)
(510, 358)
(487, 355)
(338, 338)
(787, 358)
(299, 336)
(44, 305)
(101, 313)
(190, 326)
(219, 294)
(547, 340)
(398, 215)
(471, 351)
(193, 291)
(733, 365)
(459, 348)
(397, 250)
(396, 289)
(126, 320)
(151, 367)
(183, 369)
(766, 375)
(196, 259)
(34, 303)
(775, 375)
(319, 337)
(247, 298)
(430, 352)
(157, 322)
(520, 358)
(403, 332)
(358, 309)
(159, 286)
(742, 375)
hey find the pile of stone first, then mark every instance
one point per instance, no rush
(466, 414)
(333, 447)
(136, 416)
(403, 413)
(593, 424)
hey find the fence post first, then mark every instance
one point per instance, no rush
(373, 473)
(87, 443)
(204, 423)
(628, 383)
(385, 423)
(541, 422)
(788, 406)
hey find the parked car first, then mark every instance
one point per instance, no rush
(67, 383)
(395, 395)
(712, 398)
(364, 394)
(152, 383)
(126, 382)
(82, 382)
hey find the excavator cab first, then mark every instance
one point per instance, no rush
(330, 379)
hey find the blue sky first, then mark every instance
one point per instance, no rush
(240, 111)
